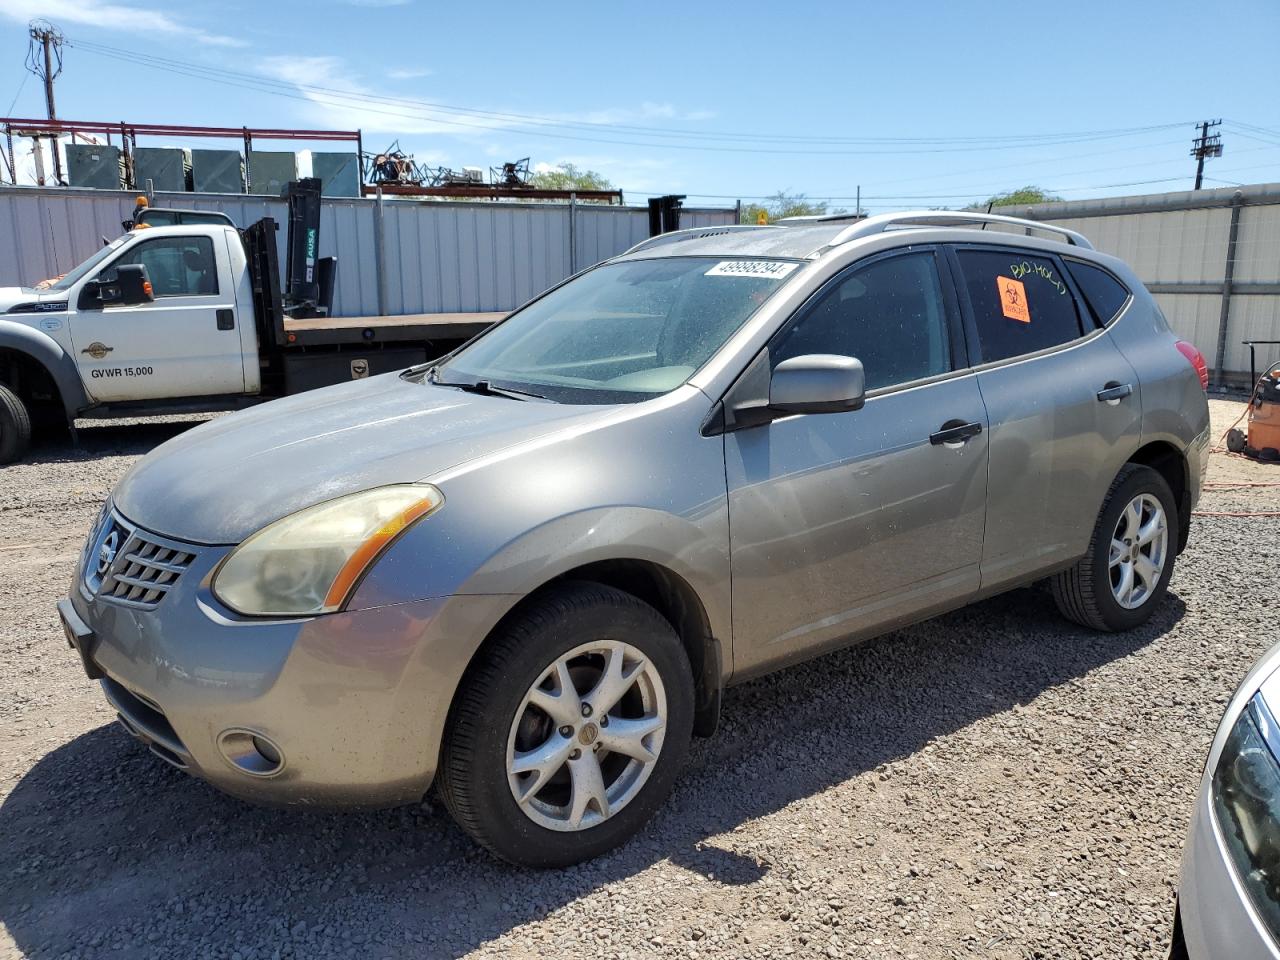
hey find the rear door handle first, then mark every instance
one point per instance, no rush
(955, 432)
(1114, 392)
(226, 319)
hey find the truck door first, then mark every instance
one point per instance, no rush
(184, 343)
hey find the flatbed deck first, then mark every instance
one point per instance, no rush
(319, 331)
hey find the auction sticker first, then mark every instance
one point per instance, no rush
(767, 269)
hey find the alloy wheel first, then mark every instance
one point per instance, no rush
(586, 736)
(1139, 548)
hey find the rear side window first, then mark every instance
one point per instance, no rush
(1021, 302)
(1105, 295)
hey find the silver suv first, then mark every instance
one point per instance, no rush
(527, 571)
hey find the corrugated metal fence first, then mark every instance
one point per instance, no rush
(394, 258)
(1210, 257)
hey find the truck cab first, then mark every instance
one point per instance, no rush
(195, 316)
(181, 335)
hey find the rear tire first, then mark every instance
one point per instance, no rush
(594, 789)
(15, 426)
(1125, 573)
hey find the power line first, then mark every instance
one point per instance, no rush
(21, 86)
(1047, 138)
(430, 111)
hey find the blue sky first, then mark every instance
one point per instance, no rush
(921, 104)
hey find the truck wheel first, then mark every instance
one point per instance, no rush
(570, 733)
(1125, 573)
(15, 426)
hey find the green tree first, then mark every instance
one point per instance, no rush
(782, 204)
(1022, 195)
(567, 176)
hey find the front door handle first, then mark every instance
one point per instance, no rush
(226, 319)
(1114, 392)
(955, 432)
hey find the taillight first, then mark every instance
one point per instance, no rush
(1196, 359)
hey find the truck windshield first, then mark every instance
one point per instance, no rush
(70, 280)
(621, 333)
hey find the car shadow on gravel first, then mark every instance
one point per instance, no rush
(97, 438)
(107, 851)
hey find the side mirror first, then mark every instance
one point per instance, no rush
(130, 286)
(817, 383)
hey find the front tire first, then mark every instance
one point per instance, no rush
(1125, 573)
(569, 733)
(15, 426)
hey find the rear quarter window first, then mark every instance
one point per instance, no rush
(1021, 302)
(1105, 295)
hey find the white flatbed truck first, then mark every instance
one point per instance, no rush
(192, 318)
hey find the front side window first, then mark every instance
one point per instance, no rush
(622, 332)
(176, 266)
(1021, 302)
(889, 314)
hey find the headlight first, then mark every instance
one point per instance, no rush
(1246, 799)
(311, 561)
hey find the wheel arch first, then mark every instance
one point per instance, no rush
(668, 593)
(1170, 462)
(27, 348)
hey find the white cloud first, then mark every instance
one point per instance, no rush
(645, 112)
(337, 108)
(112, 16)
(409, 73)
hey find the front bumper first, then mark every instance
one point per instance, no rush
(1215, 915)
(355, 703)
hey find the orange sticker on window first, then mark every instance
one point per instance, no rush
(1013, 299)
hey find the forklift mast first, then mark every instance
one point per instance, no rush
(302, 289)
(307, 290)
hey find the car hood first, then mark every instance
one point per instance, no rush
(229, 477)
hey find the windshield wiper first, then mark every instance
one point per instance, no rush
(487, 389)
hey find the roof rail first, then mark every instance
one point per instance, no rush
(947, 218)
(809, 220)
(694, 233)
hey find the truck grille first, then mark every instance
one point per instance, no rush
(131, 566)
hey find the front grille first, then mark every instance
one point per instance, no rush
(133, 567)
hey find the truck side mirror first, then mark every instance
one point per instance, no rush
(129, 286)
(133, 284)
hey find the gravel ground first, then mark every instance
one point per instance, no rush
(994, 783)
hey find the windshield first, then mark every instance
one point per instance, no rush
(620, 333)
(68, 281)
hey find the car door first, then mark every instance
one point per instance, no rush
(843, 524)
(1063, 404)
(181, 344)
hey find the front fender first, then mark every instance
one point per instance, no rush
(694, 548)
(647, 486)
(44, 350)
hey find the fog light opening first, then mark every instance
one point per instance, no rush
(251, 752)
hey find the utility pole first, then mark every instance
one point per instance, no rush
(44, 59)
(1205, 146)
